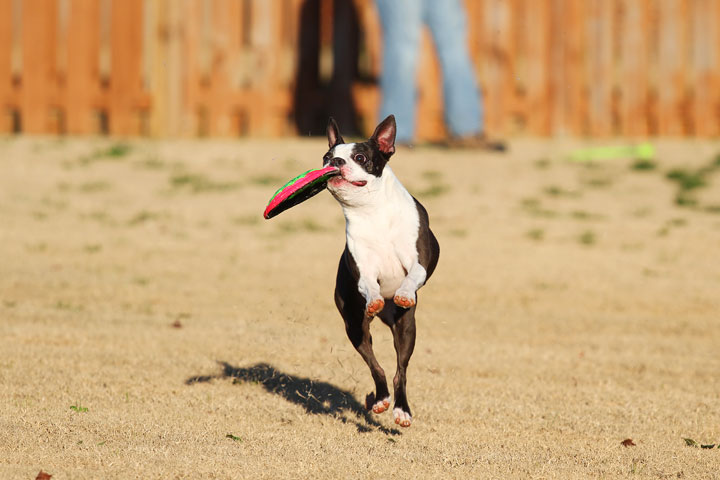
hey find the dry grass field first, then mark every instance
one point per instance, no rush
(153, 325)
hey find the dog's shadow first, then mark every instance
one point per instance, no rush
(315, 397)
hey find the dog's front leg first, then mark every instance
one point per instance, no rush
(405, 295)
(370, 290)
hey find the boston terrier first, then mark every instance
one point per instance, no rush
(389, 254)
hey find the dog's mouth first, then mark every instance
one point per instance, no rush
(338, 180)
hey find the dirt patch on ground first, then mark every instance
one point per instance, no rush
(153, 325)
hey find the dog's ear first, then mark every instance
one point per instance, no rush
(384, 135)
(333, 133)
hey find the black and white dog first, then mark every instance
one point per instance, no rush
(390, 253)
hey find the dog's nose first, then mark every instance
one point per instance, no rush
(337, 162)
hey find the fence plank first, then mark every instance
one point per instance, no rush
(496, 65)
(600, 66)
(82, 75)
(634, 65)
(6, 45)
(126, 47)
(671, 66)
(705, 19)
(569, 99)
(39, 21)
(223, 36)
(713, 82)
(537, 51)
(194, 115)
(162, 30)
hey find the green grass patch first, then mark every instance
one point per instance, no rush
(55, 204)
(637, 466)
(670, 224)
(87, 187)
(683, 199)
(310, 225)
(542, 163)
(643, 165)
(116, 151)
(677, 222)
(432, 175)
(78, 408)
(555, 191)
(583, 215)
(246, 220)
(143, 216)
(588, 238)
(68, 306)
(530, 202)
(306, 225)
(598, 182)
(705, 446)
(641, 212)
(434, 190)
(197, 183)
(36, 247)
(537, 234)
(458, 232)
(435, 186)
(151, 163)
(267, 180)
(92, 248)
(93, 187)
(98, 216)
(534, 207)
(687, 179)
(289, 164)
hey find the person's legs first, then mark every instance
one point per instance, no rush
(463, 108)
(401, 23)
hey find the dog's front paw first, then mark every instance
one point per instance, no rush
(373, 307)
(377, 407)
(381, 406)
(404, 299)
(402, 418)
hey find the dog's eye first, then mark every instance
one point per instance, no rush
(360, 158)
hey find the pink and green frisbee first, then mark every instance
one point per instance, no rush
(299, 189)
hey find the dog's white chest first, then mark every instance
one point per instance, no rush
(382, 236)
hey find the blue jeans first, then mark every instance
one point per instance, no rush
(402, 22)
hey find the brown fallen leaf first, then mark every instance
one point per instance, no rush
(628, 442)
(43, 476)
(176, 324)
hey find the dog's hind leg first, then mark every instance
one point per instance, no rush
(358, 331)
(351, 305)
(403, 330)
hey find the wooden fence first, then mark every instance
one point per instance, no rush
(279, 67)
